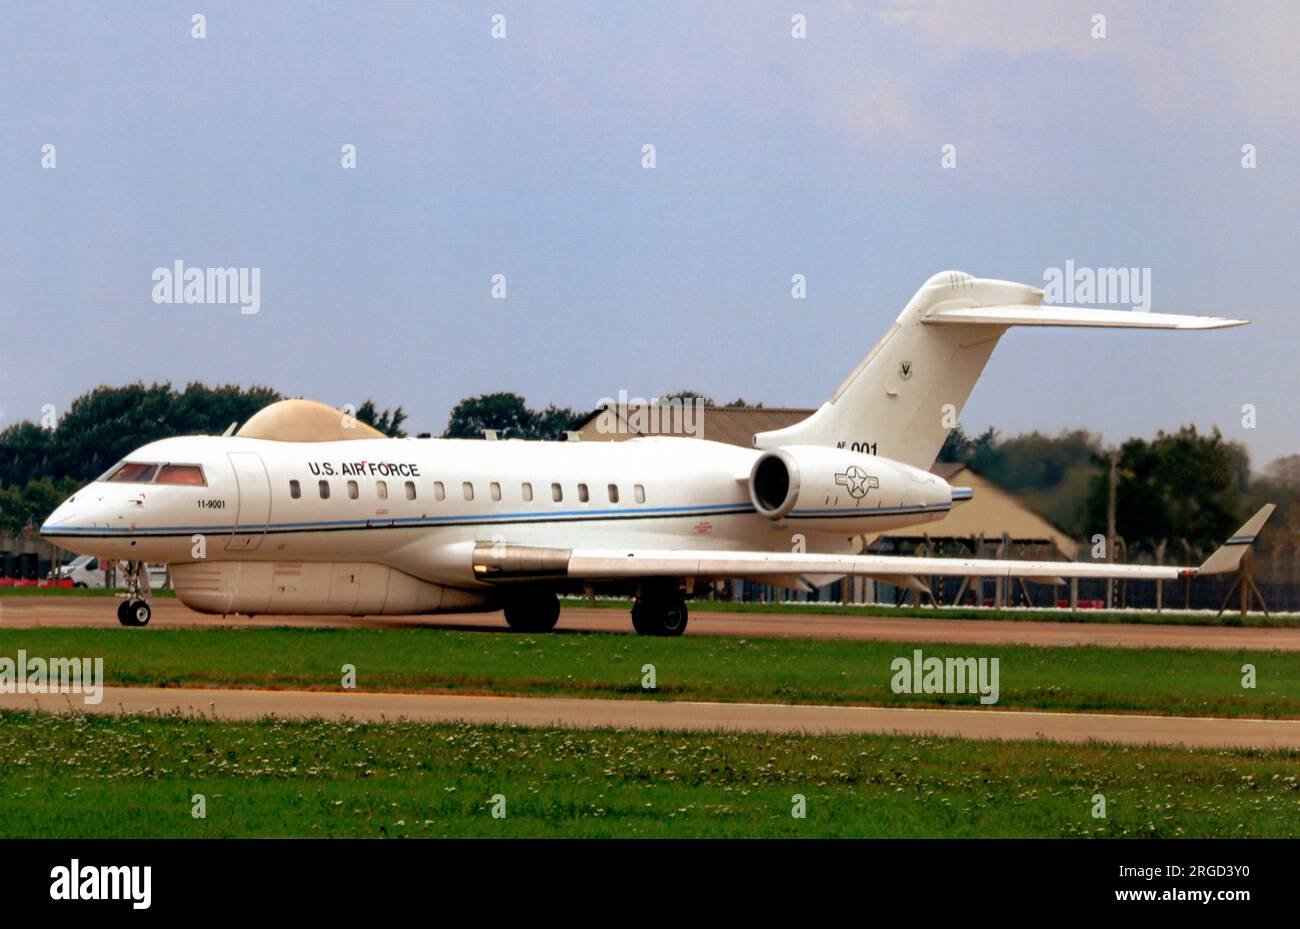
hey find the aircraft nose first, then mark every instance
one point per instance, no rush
(64, 516)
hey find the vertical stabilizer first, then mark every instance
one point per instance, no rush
(905, 397)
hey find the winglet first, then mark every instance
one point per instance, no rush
(1228, 555)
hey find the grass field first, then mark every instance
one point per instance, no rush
(1165, 618)
(1172, 681)
(104, 776)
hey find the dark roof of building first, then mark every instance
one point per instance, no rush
(730, 424)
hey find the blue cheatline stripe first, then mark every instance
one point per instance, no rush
(387, 522)
(918, 508)
(406, 522)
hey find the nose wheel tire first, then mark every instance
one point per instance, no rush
(533, 614)
(662, 616)
(134, 613)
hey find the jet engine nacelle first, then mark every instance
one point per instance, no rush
(832, 490)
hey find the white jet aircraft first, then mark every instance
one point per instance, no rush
(305, 511)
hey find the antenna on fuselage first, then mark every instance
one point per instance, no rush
(230, 430)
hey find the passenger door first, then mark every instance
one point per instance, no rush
(254, 508)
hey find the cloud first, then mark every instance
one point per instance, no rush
(1187, 60)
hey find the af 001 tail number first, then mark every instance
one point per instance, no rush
(866, 448)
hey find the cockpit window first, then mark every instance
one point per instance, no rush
(139, 472)
(133, 472)
(181, 474)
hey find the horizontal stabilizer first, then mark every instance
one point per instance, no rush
(1031, 315)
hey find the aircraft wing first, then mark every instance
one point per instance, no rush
(505, 562)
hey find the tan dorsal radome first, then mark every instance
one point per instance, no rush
(305, 421)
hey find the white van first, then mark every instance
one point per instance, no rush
(84, 571)
(88, 571)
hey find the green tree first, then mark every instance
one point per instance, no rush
(959, 447)
(689, 395)
(1180, 485)
(389, 423)
(25, 450)
(510, 416)
(31, 503)
(1279, 485)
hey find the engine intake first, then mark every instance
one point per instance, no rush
(774, 484)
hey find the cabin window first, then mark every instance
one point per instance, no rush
(133, 472)
(557, 493)
(324, 489)
(468, 490)
(583, 496)
(439, 492)
(181, 474)
(381, 490)
(639, 492)
(528, 492)
(496, 490)
(410, 490)
(613, 493)
(295, 489)
(353, 490)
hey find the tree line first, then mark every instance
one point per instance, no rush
(1178, 486)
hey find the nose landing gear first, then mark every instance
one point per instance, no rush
(133, 613)
(134, 610)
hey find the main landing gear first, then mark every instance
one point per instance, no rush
(659, 609)
(533, 612)
(134, 610)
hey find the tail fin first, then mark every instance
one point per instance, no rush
(1227, 557)
(905, 396)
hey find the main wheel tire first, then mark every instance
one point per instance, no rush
(533, 614)
(674, 617)
(662, 617)
(134, 613)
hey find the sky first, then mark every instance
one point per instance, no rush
(524, 156)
